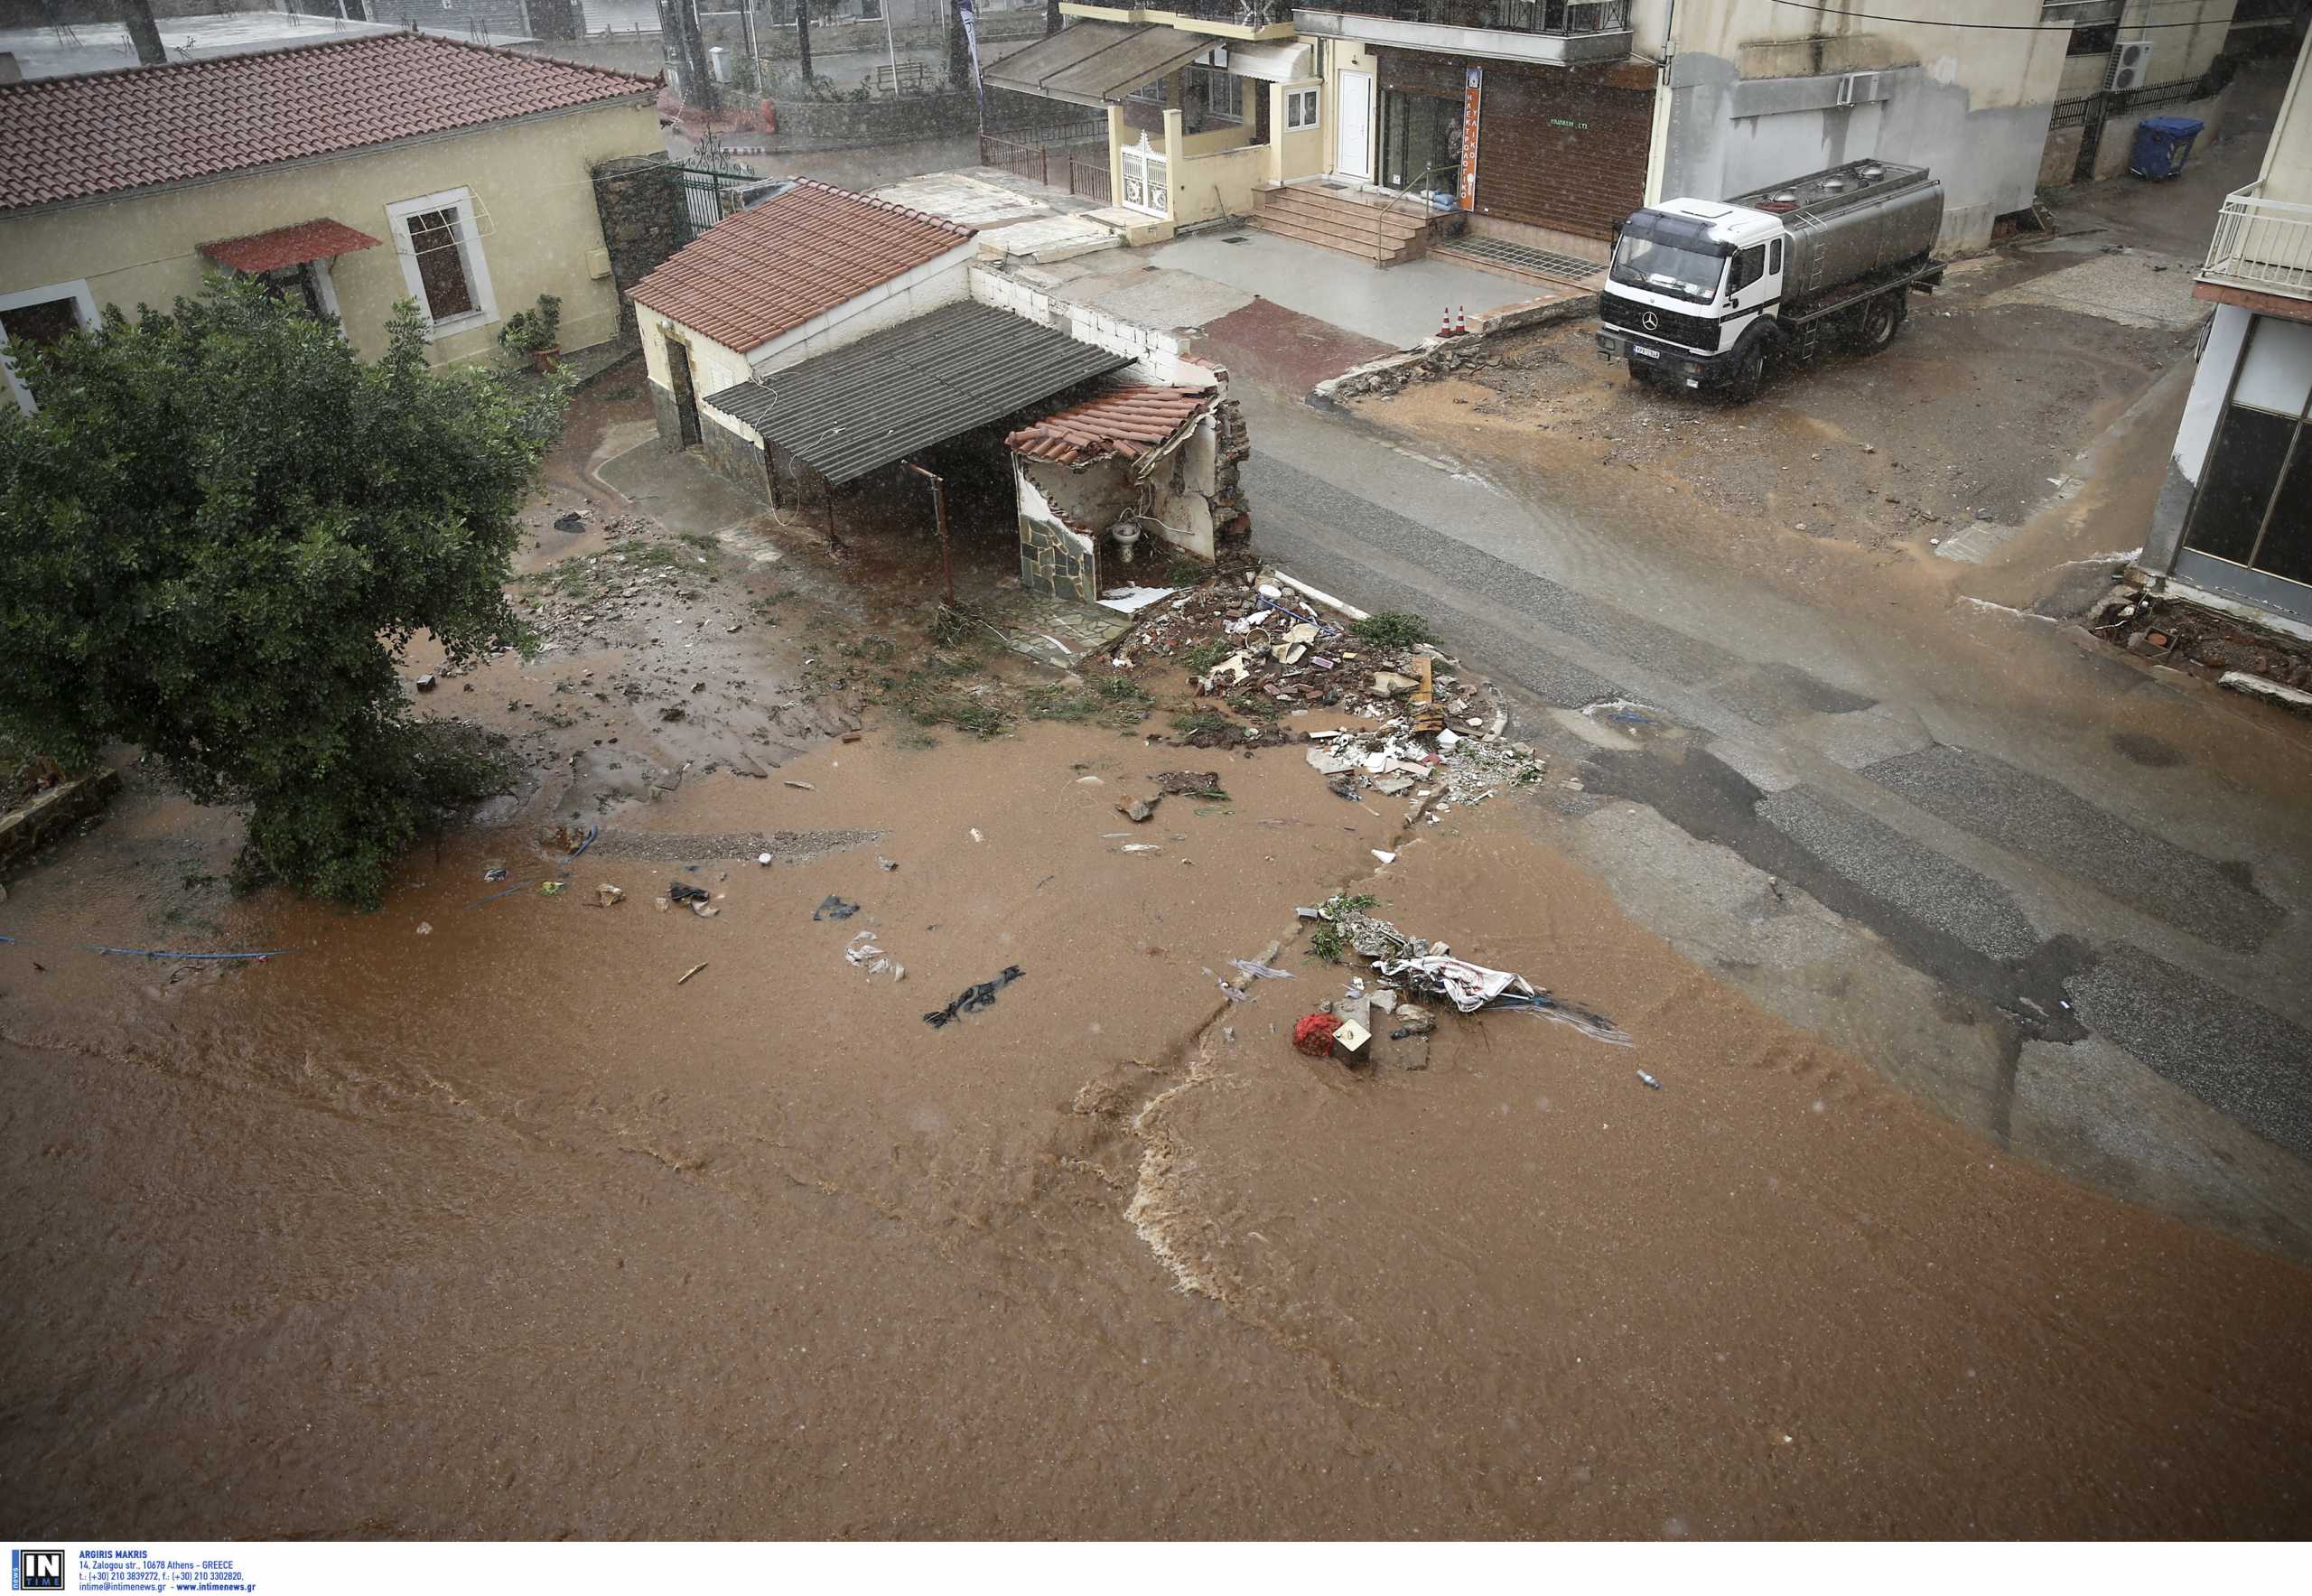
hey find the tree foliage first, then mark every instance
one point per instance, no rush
(217, 534)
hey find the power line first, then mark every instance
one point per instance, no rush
(1820, 8)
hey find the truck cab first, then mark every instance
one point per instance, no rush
(1688, 282)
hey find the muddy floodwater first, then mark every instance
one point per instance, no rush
(500, 1231)
(505, 1213)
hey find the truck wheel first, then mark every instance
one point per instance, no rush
(1880, 318)
(1749, 371)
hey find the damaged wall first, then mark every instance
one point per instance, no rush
(1055, 559)
(1162, 357)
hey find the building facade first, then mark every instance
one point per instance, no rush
(2234, 524)
(1545, 122)
(350, 174)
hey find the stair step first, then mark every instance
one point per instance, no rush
(1345, 214)
(1286, 228)
(1354, 236)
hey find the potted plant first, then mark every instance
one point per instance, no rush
(535, 333)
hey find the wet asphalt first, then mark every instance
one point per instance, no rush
(1948, 856)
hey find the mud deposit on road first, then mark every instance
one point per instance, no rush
(502, 1213)
(500, 1231)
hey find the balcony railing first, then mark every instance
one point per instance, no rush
(1563, 19)
(2260, 244)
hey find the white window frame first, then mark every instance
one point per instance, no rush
(1300, 108)
(84, 305)
(469, 255)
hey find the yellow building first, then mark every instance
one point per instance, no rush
(350, 174)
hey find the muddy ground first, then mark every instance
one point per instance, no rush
(474, 1217)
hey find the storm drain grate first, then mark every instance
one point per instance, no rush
(1237, 238)
(1539, 262)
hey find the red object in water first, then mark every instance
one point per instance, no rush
(1314, 1034)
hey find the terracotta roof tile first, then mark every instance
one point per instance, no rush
(797, 256)
(100, 133)
(289, 246)
(1129, 422)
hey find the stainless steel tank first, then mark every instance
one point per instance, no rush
(1851, 220)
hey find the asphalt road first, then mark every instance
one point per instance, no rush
(1801, 760)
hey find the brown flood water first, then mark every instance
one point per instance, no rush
(498, 1231)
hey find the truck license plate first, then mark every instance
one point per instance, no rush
(1639, 348)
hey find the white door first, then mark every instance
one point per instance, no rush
(1353, 127)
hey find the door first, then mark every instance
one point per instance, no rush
(685, 396)
(1353, 127)
(1564, 149)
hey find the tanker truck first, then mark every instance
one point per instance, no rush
(1704, 293)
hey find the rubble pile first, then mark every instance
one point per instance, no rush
(2204, 642)
(1413, 964)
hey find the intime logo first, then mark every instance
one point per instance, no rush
(36, 1570)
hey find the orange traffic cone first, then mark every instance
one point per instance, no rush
(1461, 322)
(1445, 322)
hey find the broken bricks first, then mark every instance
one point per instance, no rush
(1139, 811)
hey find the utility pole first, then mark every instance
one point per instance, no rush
(803, 35)
(959, 50)
(143, 32)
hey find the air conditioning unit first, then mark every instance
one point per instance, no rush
(2130, 65)
(1857, 89)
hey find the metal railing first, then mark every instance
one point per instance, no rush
(1054, 165)
(1564, 19)
(1381, 213)
(2261, 244)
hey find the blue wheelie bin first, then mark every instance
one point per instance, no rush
(2161, 145)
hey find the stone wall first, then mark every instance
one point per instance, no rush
(669, 418)
(741, 458)
(640, 200)
(846, 124)
(1054, 560)
(45, 819)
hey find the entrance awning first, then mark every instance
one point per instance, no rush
(1098, 63)
(1279, 62)
(288, 247)
(868, 404)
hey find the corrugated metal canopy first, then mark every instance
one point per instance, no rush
(1098, 63)
(849, 411)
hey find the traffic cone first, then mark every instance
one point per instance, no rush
(1445, 322)
(1461, 322)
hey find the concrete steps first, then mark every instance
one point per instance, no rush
(1541, 268)
(1336, 220)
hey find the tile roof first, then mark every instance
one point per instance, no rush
(891, 393)
(797, 256)
(1129, 422)
(289, 246)
(101, 133)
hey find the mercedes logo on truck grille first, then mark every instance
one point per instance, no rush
(1650, 322)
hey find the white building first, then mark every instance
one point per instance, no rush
(2234, 522)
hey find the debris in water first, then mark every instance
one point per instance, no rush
(973, 999)
(835, 907)
(1257, 971)
(424, 927)
(800, 786)
(608, 896)
(690, 972)
(683, 892)
(553, 889)
(1651, 1083)
(1313, 1034)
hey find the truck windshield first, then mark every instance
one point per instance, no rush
(1667, 269)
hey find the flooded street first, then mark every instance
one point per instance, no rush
(474, 1217)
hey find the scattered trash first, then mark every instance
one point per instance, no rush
(1203, 784)
(164, 953)
(1651, 1082)
(704, 910)
(1235, 994)
(883, 864)
(1430, 967)
(973, 999)
(496, 872)
(1255, 970)
(425, 684)
(1141, 849)
(800, 786)
(690, 972)
(835, 907)
(592, 832)
(862, 954)
(975, 835)
(608, 896)
(553, 889)
(1313, 1034)
(683, 892)
(762, 858)
(1385, 856)
(1139, 811)
(1131, 600)
(1351, 1041)
(570, 521)
(424, 927)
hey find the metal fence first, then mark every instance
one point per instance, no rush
(710, 192)
(1073, 163)
(2262, 244)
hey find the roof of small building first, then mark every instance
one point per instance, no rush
(101, 133)
(291, 245)
(791, 260)
(863, 406)
(1129, 422)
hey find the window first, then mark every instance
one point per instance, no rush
(1775, 262)
(1750, 265)
(40, 316)
(2093, 41)
(439, 241)
(1299, 108)
(1208, 98)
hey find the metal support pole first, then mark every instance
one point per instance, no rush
(834, 539)
(939, 503)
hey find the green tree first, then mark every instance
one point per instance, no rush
(218, 533)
